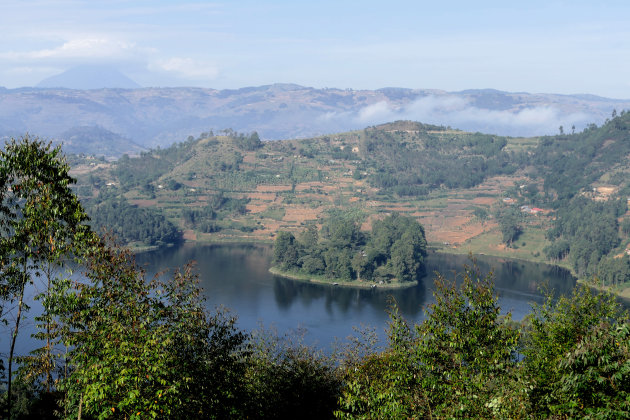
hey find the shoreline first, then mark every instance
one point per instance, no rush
(620, 292)
(304, 278)
(623, 292)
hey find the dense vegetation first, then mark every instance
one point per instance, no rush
(393, 252)
(433, 157)
(569, 359)
(587, 231)
(570, 163)
(132, 224)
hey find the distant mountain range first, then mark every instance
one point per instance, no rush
(151, 117)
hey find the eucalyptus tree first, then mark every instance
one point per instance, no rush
(41, 223)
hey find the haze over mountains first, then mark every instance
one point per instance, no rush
(154, 116)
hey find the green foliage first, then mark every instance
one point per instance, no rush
(146, 348)
(286, 378)
(558, 250)
(613, 270)
(467, 348)
(395, 250)
(413, 164)
(41, 224)
(249, 143)
(150, 166)
(569, 164)
(386, 385)
(131, 223)
(481, 214)
(558, 348)
(591, 230)
(509, 222)
(220, 207)
(595, 375)
(285, 251)
(462, 360)
(456, 363)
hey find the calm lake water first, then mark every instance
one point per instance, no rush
(237, 276)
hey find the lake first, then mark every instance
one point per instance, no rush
(237, 276)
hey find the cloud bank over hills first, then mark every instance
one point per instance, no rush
(460, 112)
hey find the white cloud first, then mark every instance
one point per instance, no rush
(186, 68)
(458, 112)
(104, 49)
(84, 48)
(380, 111)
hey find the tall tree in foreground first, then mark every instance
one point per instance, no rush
(147, 348)
(458, 363)
(41, 223)
(577, 356)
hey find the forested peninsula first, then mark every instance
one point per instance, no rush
(391, 255)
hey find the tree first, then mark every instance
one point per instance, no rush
(509, 224)
(457, 363)
(407, 255)
(466, 346)
(41, 223)
(564, 357)
(386, 385)
(310, 238)
(147, 348)
(286, 378)
(481, 214)
(595, 381)
(285, 251)
(395, 250)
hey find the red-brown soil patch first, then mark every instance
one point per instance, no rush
(192, 184)
(256, 208)
(190, 235)
(307, 185)
(456, 234)
(87, 168)
(297, 214)
(486, 201)
(250, 158)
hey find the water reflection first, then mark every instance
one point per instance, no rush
(237, 276)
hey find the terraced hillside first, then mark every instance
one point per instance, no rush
(513, 197)
(406, 167)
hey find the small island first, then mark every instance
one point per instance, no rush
(341, 254)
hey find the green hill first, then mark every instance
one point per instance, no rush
(513, 197)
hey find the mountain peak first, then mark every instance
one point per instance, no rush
(89, 77)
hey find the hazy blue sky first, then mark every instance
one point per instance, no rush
(533, 46)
